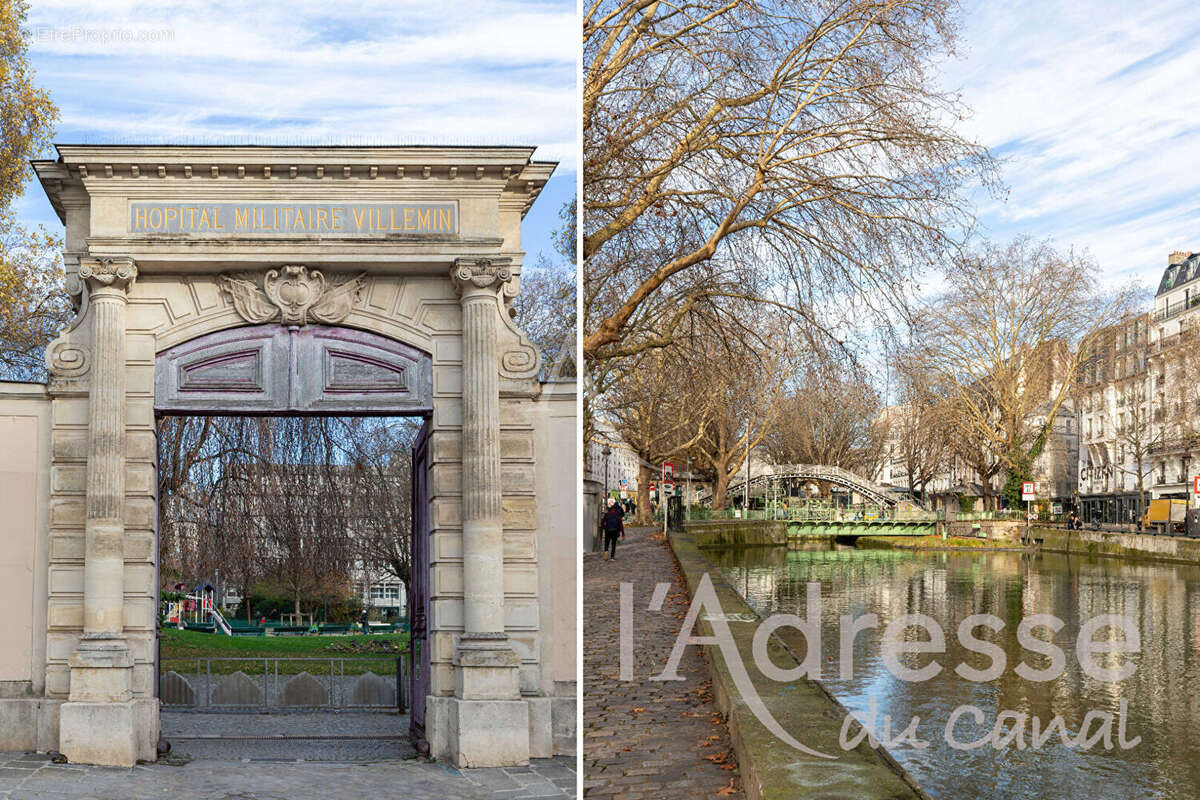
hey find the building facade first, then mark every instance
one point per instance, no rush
(292, 280)
(1140, 404)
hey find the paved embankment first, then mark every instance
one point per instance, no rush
(646, 739)
(1178, 549)
(738, 532)
(770, 768)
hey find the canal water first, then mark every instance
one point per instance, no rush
(1161, 697)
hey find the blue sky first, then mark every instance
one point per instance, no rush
(471, 72)
(1094, 108)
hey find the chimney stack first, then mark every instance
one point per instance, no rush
(1177, 257)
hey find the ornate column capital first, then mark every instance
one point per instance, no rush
(480, 275)
(107, 273)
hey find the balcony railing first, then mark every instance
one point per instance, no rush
(1175, 309)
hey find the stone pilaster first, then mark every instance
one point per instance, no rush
(97, 723)
(488, 720)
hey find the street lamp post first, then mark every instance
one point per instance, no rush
(687, 500)
(598, 540)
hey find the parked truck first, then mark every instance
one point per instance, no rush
(1166, 516)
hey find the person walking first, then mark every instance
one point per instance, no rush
(614, 528)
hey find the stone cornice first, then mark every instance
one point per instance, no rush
(105, 169)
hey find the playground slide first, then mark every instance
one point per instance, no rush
(218, 619)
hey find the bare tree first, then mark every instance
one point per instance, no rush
(545, 307)
(379, 474)
(921, 428)
(1007, 341)
(974, 449)
(831, 417)
(653, 416)
(805, 143)
(302, 509)
(744, 380)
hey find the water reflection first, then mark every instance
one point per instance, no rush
(1162, 699)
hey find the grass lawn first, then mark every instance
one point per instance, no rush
(180, 649)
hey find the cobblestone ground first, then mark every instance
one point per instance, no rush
(34, 777)
(211, 762)
(643, 739)
(370, 736)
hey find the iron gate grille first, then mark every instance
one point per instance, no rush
(351, 683)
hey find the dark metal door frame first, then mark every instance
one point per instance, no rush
(418, 592)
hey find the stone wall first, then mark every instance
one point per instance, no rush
(1121, 545)
(995, 529)
(770, 768)
(24, 487)
(558, 545)
(738, 532)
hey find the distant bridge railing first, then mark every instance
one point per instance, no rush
(815, 472)
(818, 514)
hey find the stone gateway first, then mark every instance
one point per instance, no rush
(327, 280)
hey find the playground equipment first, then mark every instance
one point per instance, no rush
(197, 610)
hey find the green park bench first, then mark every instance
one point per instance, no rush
(288, 630)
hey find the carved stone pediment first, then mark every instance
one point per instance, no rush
(293, 295)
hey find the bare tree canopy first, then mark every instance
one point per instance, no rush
(309, 504)
(804, 142)
(545, 307)
(830, 417)
(1008, 338)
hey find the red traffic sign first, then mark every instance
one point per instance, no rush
(1028, 490)
(652, 486)
(1196, 484)
(668, 469)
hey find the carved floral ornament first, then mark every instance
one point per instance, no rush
(294, 295)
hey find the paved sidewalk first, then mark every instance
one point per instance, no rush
(643, 739)
(365, 736)
(34, 777)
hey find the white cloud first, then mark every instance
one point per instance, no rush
(485, 72)
(1095, 108)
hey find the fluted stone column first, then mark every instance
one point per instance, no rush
(489, 722)
(97, 723)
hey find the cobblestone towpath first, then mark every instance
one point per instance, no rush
(644, 739)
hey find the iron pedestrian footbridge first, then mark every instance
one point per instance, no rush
(926, 525)
(815, 472)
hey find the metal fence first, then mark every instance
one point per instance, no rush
(373, 683)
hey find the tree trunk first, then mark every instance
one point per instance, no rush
(720, 487)
(642, 515)
(1141, 502)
